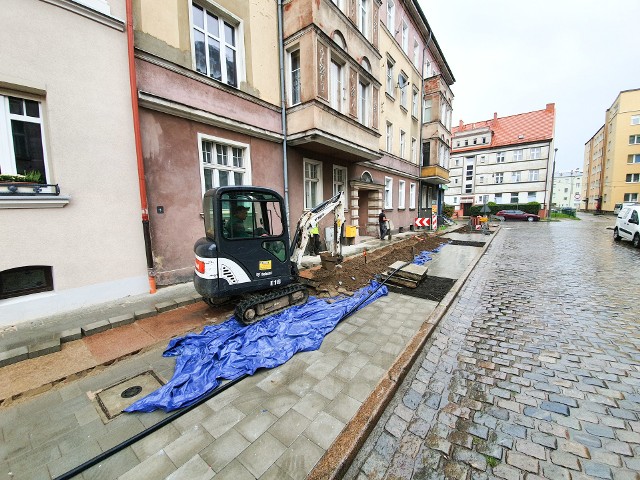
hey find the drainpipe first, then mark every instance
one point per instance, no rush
(136, 132)
(283, 114)
(422, 119)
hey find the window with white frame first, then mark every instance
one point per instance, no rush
(630, 197)
(363, 103)
(499, 177)
(635, 158)
(500, 157)
(403, 139)
(363, 16)
(22, 145)
(401, 193)
(294, 76)
(634, 139)
(412, 195)
(534, 175)
(498, 198)
(391, 15)
(403, 82)
(416, 53)
(514, 197)
(312, 183)
(388, 192)
(340, 181)
(389, 137)
(223, 163)
(633, 178)
(390, 84)
(414, 150)
(515, 176)
(414, 102)
(635, 119)
(532, 196)
(536, 153)
(216, 44)
(405, 37)
(336, 82)
(517, 155)
(481, 179)
(426, 115)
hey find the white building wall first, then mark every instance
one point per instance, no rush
(75, 64)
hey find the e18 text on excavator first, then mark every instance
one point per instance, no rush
(246, 255)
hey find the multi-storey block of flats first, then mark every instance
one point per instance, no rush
(506, 160)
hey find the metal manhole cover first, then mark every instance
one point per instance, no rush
(114, 399)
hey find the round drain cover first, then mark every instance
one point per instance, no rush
(131, 392)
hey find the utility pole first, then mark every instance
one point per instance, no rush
(553, 172)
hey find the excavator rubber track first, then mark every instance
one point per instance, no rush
(255, 307)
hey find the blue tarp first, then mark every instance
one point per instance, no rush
(425, 256)
(231, 349)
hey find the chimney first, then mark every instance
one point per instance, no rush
(461, 124)
(550, 107)
(495, 116)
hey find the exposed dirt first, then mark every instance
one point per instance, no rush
(357, 271)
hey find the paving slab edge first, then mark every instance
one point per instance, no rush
(338, 458)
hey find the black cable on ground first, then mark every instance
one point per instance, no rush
(167, 420)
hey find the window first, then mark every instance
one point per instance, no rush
(414, 150)
(414, 103)
(412, 195)
(223, 163)
(335, 88)
(533, 175)
(482, 159)
(312, 183)
(389, 137)
(635, 119)
(514, 197)
(515, 176)
(630, 197)
(403, 82)
(216, 46)
(363, 16)
(21, 137)
(363, 103)
(633, 177)
(634, 158)
(416, 53)
(499, 177)
(388, 191)
(457, 162)
(531, 196)
(468, 189)
(17, 282)
(390, 77)
(403, 138)
(405, 37)
(500, 157)
(481, 179)
(294, 65)
(340, 182)
(391, 15)
(536, 153)
(634, 139)
(498, 198)
(517, 155)
(426, 115)
(401, 193)
(484, 139)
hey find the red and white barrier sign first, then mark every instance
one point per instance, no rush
(434, 221)
(422, 222)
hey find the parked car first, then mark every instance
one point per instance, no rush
(628, 225)
(518, 215)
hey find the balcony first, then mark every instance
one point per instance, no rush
(434, 174)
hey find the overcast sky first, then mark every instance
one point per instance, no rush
(515, 56)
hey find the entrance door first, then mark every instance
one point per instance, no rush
(465, 209)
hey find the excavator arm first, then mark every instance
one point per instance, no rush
(311, 218)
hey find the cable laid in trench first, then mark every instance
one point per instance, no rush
(167, 420)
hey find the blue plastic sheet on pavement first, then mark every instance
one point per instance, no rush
(425, 256)
(231, 349)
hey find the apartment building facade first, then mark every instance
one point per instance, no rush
(566, 189)
(612, 157)
(75, 239)
(502, 160)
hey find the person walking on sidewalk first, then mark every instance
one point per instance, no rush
(382, 220)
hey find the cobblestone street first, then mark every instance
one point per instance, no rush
(534, 372)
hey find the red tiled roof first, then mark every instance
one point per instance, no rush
(532, 126)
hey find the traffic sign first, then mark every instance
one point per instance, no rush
(422, 222)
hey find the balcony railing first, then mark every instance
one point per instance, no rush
(17, 189)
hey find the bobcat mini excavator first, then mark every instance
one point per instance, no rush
(246, 255)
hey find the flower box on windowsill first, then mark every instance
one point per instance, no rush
(31, 195)
(28, 188)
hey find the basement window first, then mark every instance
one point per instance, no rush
(17, 282)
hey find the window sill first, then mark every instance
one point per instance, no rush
(39, 201)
